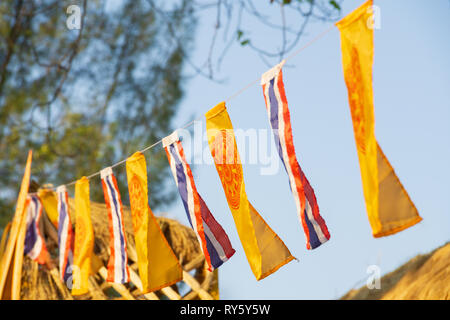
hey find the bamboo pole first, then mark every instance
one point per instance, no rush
(18, 256)
(95, 291)
(170, 293)
(195, 263)
(196, 287)
(206, 284)
(120, 288)
(134, 278)
(4, 239)
(5, 262)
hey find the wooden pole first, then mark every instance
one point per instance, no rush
(16, 223)
(134, 278)
(18, 256)
(120, 288)
(196, 287)
(4, 239)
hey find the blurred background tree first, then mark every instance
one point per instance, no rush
(85, 98)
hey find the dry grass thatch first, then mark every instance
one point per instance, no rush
(425, 277)
(41, 282)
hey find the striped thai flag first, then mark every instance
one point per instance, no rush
(35, 246)
(118, 260)
(213, 240)
(316, 230)
(65, 234)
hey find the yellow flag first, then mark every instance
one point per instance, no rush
(265, 251)
(18, 255)
(50, 203)
(84, 238)
(389, 207)
(4, 239)
(8, 279)
(157, 263)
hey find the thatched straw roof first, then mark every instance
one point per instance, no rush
(425, 277)
(40, 282)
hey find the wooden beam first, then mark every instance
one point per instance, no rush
(7, 257)
(4, 239)
(18, 256)
(95, 291)
(195, 263)
(134, 278)
(168, 291)
(196, 287)
(120, 288)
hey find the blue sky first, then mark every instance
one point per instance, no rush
(412, 106)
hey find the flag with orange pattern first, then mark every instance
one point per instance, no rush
(388, 205)
(265, 251)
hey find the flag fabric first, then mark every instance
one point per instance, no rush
(213, 240)
(314, 226)
(49, 200)
(65, 235)
(35, 246)
(158, 266)
(265, 251)
(84, 238)
(5, 236)
(388, 205)
(118, 260)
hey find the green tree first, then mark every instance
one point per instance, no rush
(88, 97)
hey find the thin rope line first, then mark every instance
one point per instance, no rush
(187, 125)
(319, 36)
(239, 92)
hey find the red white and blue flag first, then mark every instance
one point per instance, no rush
(314, 226)
(34, 241)
(213, 240)
(118, 260)
(65, 235)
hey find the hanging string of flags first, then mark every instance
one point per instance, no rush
(389, 207)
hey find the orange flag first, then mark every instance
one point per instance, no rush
(10, 265)
(4, 238)
(389, 207)
(265, 251)
(157, 263)
(84, 238)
